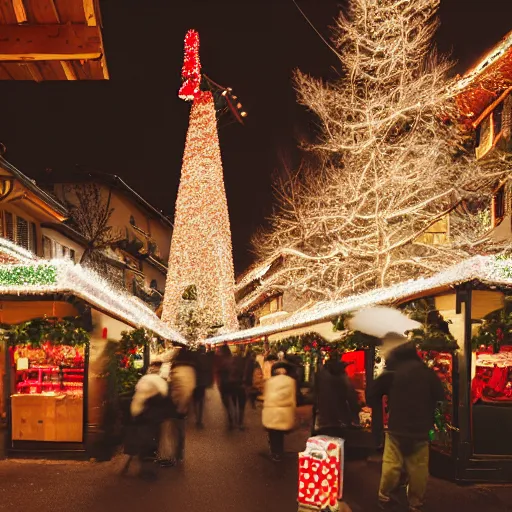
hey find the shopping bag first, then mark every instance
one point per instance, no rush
(321, 473)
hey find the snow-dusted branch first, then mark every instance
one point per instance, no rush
(380, 202)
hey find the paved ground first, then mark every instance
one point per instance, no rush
(223, 472)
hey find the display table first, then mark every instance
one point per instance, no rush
(47, 417)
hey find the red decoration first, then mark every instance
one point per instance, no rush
(321, 473)
(191, 71)
(104, 333)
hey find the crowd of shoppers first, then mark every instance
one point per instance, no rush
(164, 397)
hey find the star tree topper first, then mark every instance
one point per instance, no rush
(191, 71)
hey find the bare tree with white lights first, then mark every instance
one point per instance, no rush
(390, 162)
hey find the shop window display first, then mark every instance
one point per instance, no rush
(491, 385)
(48, 373)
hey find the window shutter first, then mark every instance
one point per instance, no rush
(33, 237)
(22, 234)
(9, 226)
(47, 248)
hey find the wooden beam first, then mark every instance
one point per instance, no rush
(491, 107)
(19, 11)
(7, 13)
(90, 15)
(49, 42)
(68, 70)
(41, 11)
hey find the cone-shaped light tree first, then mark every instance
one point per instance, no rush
(200, 282)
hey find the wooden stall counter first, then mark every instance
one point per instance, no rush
(47, 417)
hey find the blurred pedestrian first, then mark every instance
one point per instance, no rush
(279, 404)
(257, 382)
(413, 391)
(335, 399)
(182, 381)
(224, 364)
(148, 410)
(238, 385)
(204, 380)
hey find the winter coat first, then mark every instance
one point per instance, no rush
(413, 391)
(279, 403)
(336, 402)
(182, 385)
(204, 370)
(258, 382)
(148, 408)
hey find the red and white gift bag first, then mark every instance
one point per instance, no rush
(321, 473)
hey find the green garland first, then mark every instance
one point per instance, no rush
(28, 275)
(495, 331)
(66, 331)
(127, 352)
(432, 335)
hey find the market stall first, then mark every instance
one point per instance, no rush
(59, 322)
(466, 339)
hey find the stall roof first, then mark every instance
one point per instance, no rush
(486, 82)
(51, 40)
(14, 253)
(38, 277)
(485, 269)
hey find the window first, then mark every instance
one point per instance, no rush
(18, 230)
(498, 202)
(53, 249)
(153, 284)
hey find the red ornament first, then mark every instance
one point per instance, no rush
(315, 344)
(499, 334)
(307, 348)
(191, 71)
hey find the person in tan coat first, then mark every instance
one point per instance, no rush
(279, 404)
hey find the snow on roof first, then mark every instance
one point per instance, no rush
(493, 56)
(15, 251)
(38, 277)
(486, 269)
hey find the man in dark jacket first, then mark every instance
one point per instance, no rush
(413, 391)
(336, 403)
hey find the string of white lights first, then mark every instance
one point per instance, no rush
(61, 276)
(486, 269)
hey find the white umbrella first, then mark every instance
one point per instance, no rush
(382, 322)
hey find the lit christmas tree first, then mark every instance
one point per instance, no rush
(201, 254)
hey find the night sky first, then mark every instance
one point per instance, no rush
(134, 125)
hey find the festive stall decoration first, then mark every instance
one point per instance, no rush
(495, 331)
(39, 332)
(486, 269)
(191, 71)
(61, 276)
(129, 359)
(30, 274)
(201, 251)
(434, 333)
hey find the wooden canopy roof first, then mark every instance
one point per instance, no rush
(51, 40)
(486, 83)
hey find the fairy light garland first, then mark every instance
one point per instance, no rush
(191, 71)
(61, 276)
(201, 253)
(28, 275)
(486, 269)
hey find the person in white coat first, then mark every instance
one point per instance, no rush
(279, 404)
